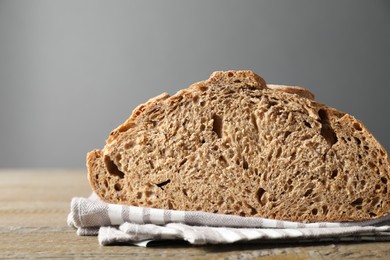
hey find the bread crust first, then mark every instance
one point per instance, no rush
(233, 145)
(293, 90)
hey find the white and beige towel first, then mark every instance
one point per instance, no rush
(114, 224)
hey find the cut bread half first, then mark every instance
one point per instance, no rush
(233, 145)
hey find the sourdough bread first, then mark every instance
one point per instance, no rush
(233, 145)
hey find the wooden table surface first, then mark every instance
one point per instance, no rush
(34, 205)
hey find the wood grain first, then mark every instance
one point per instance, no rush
(34, 206)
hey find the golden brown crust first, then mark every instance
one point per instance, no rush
(129, 123)
(293, 90)
(231, 77)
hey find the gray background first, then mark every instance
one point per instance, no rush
(71, 71)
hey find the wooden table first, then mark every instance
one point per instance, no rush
(34, 206)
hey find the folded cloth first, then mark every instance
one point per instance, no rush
(114, 224)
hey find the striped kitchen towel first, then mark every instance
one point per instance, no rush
(114, 224)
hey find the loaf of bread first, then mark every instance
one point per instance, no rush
(233, 145)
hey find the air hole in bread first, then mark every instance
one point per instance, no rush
(117, 187)
(272, 103)
(195, 99)
(308, 192)
(269, 157)
(326, 128)
(302, 210)
(334, 174)
(203, 88)
(357, 203)
(129, 145)
(278, 152)
(272, 215)
(357, 126)
(183, 162)
(245, 164)
(151, 164)
(357, 140)
(253, 210)
(217, 125)
(170, 205)
(223, 161)
(293, 156)
(254, 122)
(286, 134)
(162, 184)
(261, 196)
(307, 124)
(384, 180)
(149, 193)
(112, 168)
(325, 209)
(375, 201)
(372, 165)
(229, 199)
(314, 211)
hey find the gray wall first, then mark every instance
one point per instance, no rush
(71, 71)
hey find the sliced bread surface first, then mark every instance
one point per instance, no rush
(233, 145)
